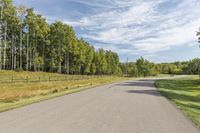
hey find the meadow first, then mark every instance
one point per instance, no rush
(21, 88)
(185, 93)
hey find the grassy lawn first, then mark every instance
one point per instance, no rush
(20, 92)
(185, 92)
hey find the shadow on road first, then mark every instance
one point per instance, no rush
(149, 92)
(143, 86)
(141, 83)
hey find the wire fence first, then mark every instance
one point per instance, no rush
(28, 79)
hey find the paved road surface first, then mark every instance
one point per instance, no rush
(126, 107)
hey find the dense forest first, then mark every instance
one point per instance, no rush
(28, 42)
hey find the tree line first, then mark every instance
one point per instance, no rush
(28, 42)
(144, 68)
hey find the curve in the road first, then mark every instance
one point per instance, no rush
(125, 107)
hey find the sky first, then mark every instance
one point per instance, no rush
(158, 30)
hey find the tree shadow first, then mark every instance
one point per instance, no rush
(180, 97)
(141, 83)
(193, 106)
(170, 93)
(184, 85)
(149, 92)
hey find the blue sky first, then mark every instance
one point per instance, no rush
(158, 30)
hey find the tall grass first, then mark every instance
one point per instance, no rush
(19, 92)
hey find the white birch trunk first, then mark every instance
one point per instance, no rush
(5, 46)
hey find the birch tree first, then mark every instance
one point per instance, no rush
(21, 12)
(28, 42)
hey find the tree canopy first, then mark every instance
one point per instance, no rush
(29, 43)
(143, 67)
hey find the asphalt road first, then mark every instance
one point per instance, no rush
(126, 107)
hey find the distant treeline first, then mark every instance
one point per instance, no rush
(28, 42)
(143, 67)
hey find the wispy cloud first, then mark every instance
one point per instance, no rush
(129, 27)
(143, 28)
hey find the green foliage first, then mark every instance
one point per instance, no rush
(38, 62)
(186, 67)
(142, 68)
(145, 68)
(33, 44)
(171, 68)
(28, 42)
(193, 67)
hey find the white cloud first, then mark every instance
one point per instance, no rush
(138, 26)
(183, 35)
(141, 27)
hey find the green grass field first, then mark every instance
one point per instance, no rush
(16, 90)
(185, 92)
